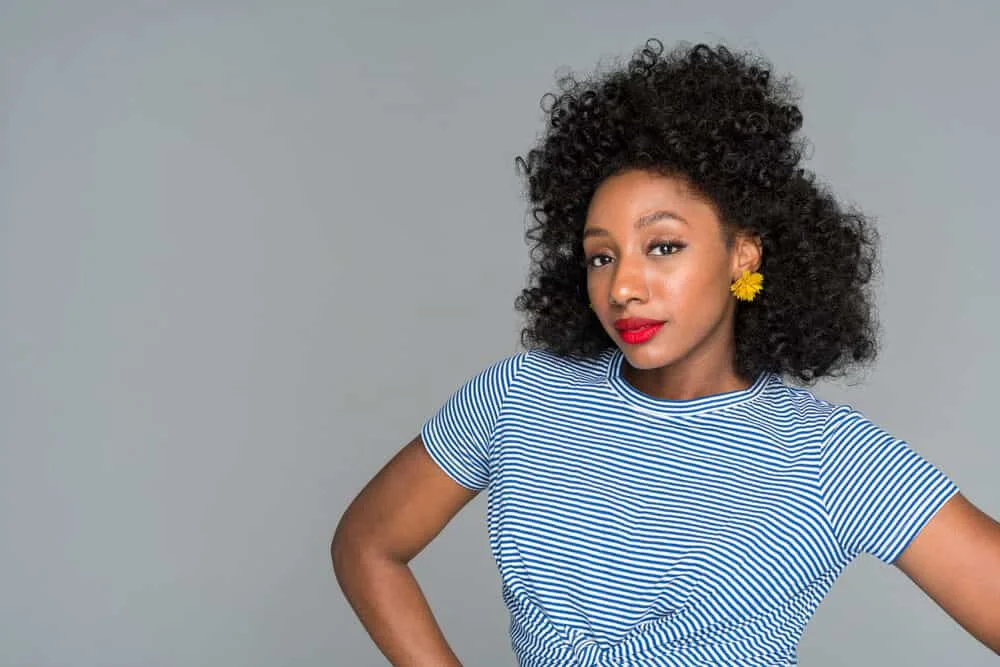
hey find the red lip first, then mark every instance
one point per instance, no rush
(636, 330)
(635, 323)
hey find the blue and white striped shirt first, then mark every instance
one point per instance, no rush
(630, 530)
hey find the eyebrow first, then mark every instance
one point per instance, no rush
(644, 221)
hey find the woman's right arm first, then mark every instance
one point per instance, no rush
(394, 517)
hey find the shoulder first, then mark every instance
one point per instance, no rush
(807, 423)
(794, 410)
(543, 365)
(537, 369)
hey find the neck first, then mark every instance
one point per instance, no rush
(706, 370)
(682, 382)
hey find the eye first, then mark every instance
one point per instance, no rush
(597, 261)
(666, 247)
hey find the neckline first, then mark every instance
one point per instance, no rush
(678, 407)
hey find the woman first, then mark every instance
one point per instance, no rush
(658, 495)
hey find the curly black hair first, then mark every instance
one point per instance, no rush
(719, 120)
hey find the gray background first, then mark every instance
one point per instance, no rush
(247, 248)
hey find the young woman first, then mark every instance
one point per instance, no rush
(658, 495)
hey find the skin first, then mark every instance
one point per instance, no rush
(955, 559)
(394, 517)
(656, 250)
(632, 273)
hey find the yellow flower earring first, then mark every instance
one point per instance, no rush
(746, 287)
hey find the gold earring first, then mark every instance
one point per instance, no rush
(746, 287)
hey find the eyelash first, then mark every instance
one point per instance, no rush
(676, 245)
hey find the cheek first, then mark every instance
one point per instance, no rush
(592, 284)
(693, 286)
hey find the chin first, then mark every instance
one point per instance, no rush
(644, 357)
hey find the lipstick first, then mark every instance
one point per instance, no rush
(635, 330)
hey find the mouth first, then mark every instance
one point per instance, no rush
(636, 330)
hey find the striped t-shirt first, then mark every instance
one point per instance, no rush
(631, 530)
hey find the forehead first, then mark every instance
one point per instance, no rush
(624, 198)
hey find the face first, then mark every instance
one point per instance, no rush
(659, 270)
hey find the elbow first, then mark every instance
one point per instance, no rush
(989, 636)
(343, 550)
(355, 551)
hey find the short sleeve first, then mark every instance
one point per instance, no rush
(878, 491)
(458, 436)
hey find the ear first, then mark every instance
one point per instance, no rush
(747, 253)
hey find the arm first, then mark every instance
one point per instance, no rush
(393, 518)
(955, 559)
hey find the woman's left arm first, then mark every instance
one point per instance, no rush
(955, 559)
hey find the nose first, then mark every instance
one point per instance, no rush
(629, 282)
